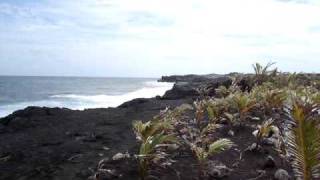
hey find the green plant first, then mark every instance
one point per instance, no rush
(147, 151)
(204, 92)
(200, 107)
(215, 110)
(273, 99)
(264, 130)
(262, 73)
(202, 154)
(286, 80)
(304, 139)
(222, 91)
(150, 128)
(152, 135)
(316, 98)
(243, 103)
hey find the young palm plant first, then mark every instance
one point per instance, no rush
(148, 151)
(303, 139)
(150, 128)
(273, 99)
(215, 110)
(264, 130)
(202, 154)
(263, 74)
(152, 135)
(222, 91)
(243, 103)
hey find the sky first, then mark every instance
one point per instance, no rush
(150, 38)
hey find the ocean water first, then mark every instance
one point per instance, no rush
(74, 92)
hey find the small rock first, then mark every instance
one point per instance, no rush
(253, 147)
(261, 172)
(120, 156)
(218, 170)
(276, 116)
(255, 133)
(256, 118)
(235, 165)
(269, 163)
(172, 147)
(281, 174)
(101, 164)
(105, 148)
(103, 175)
(270, 141)
(231, 133)
(184, 130)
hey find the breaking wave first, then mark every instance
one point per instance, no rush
(81, 102)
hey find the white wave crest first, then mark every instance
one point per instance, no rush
(96, 101)
(81, 102)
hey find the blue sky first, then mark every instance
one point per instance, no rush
(150, 38)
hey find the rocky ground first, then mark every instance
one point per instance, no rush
(54, 143)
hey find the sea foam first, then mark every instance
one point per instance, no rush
(81, 102)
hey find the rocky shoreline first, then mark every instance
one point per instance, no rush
(59, 143)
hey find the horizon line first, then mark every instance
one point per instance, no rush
(75, 76)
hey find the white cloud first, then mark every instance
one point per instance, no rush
(164, 36)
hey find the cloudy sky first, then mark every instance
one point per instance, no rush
(151, 38)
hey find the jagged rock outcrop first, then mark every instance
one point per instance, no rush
(182, 89)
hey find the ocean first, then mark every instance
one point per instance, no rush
(78, 93)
